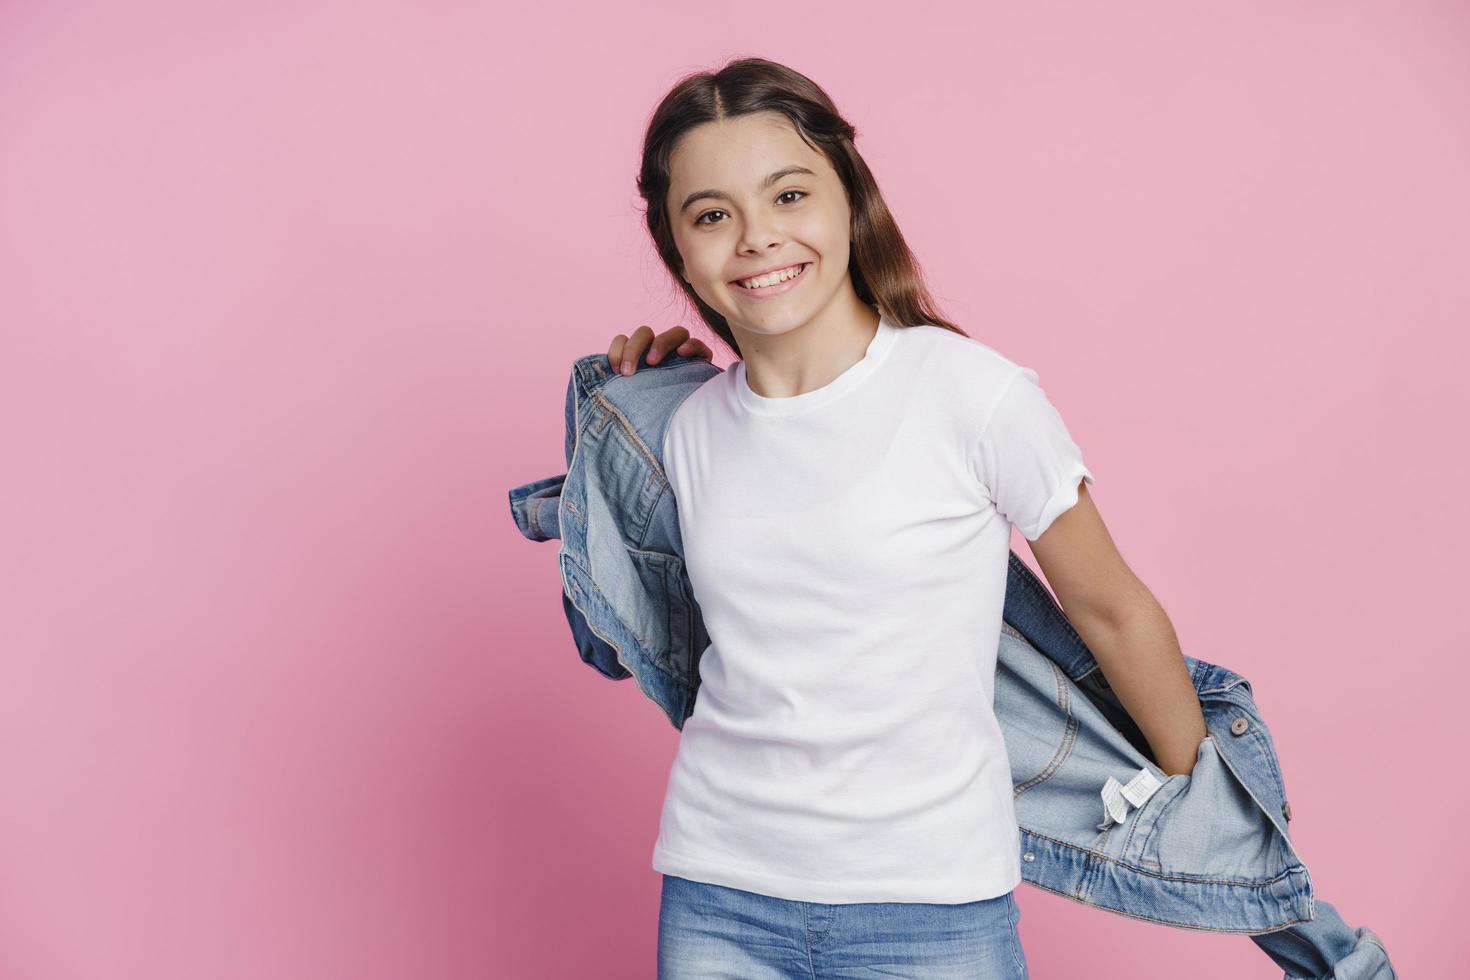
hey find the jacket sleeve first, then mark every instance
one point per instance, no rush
(536, 507)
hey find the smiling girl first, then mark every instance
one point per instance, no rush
(841, 798)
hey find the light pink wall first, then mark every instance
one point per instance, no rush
(288, 294)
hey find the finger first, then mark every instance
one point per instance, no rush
(694, 347)
(667, 341)
(615, 351)
(634, 348)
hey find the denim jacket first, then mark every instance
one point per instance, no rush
(1100, 822)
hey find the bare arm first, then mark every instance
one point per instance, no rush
(1126, 629)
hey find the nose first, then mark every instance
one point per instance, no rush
(760, 236)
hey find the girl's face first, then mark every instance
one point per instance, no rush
(748, 195)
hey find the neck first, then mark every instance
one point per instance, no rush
(810, 356)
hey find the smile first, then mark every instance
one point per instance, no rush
(776, 283)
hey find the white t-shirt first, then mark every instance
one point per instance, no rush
(848, 548)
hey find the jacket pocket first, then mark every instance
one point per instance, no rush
(669, 630)
(1033, 706)
(1206, 824)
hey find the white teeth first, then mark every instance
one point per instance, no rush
(771, 278)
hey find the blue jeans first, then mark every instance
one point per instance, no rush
(708, 932)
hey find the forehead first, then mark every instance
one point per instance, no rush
(737, 153)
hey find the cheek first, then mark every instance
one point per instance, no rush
(826, 234)
(696, 264)
(702, 277)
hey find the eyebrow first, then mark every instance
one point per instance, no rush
(721, 195)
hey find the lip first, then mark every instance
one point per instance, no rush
(774, 268)
(772, 291)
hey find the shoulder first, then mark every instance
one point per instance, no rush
(700, 398)
(971, 372)
(958, 351)
(692, 410)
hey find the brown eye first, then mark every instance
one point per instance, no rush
(700, 220)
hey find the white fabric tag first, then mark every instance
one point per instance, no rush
(1141, 787)
(1117, 796)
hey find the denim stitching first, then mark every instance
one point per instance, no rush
(1256, 732)
(627, 427)
(1167, 922)
(618, 650)
(1012, 919)
(806, 934)
(1163, 812)
(1069, 737)
(1089, 853)
(1133, 826)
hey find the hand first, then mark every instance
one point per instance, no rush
(626, 351)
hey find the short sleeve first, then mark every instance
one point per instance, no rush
(1028, 462)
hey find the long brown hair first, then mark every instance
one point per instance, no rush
(885, 274)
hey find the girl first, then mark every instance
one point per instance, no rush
(840, 803)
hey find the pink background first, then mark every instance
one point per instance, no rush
(288, 296)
